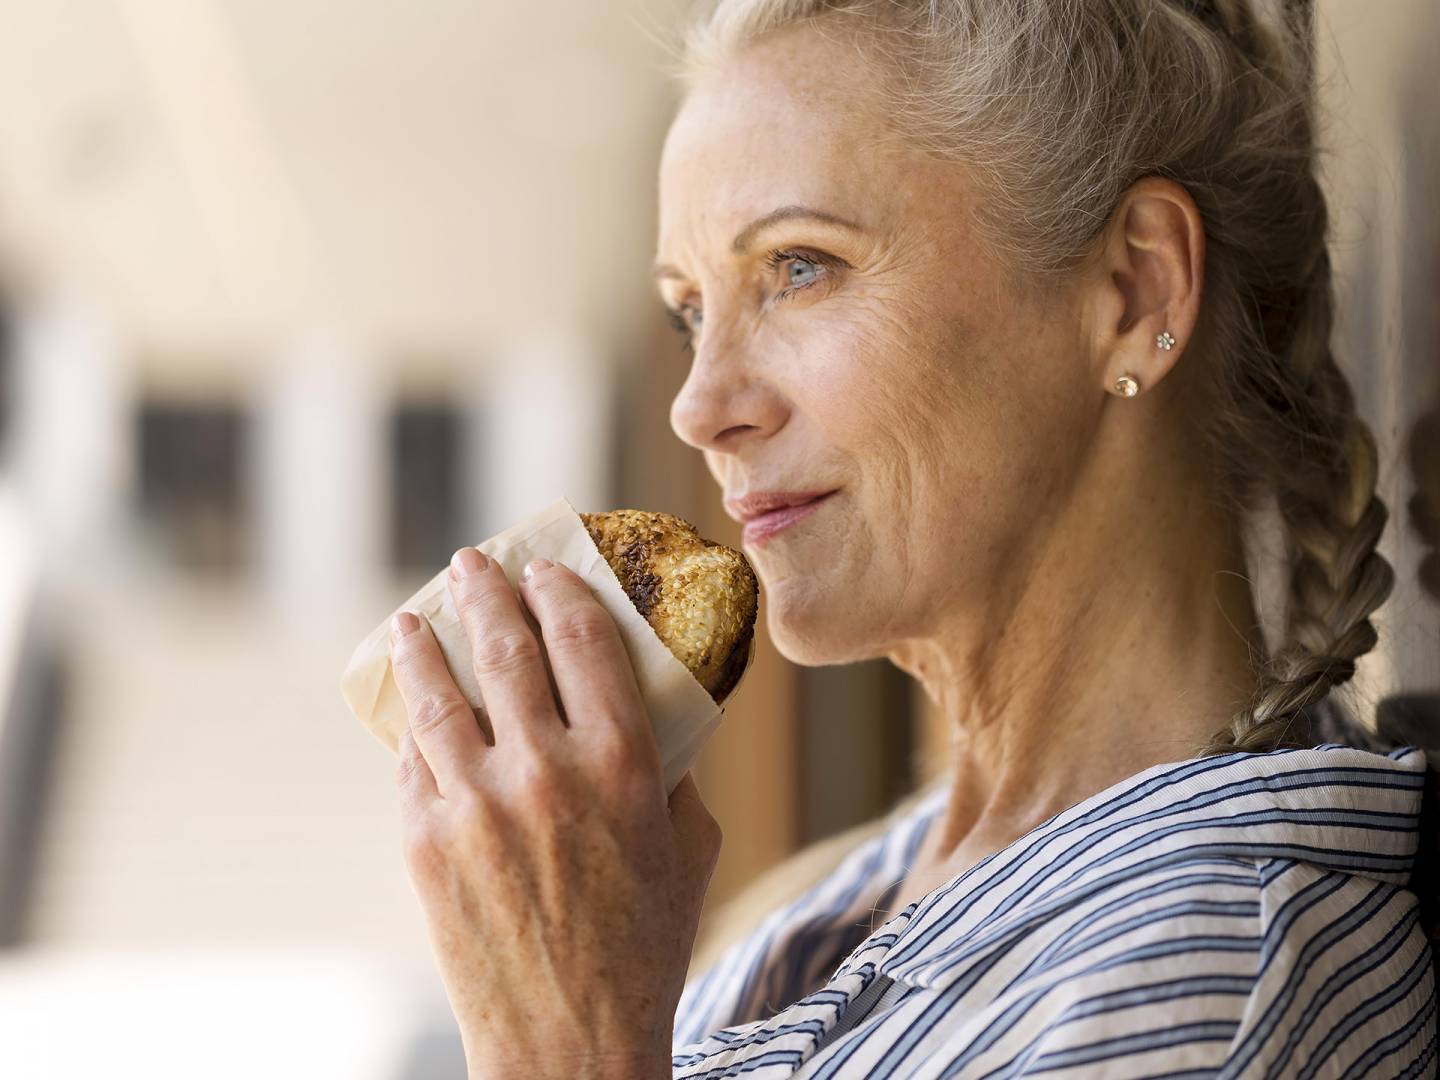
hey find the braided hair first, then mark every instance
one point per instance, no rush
(1323, 460)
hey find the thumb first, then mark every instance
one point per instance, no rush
(696, 831)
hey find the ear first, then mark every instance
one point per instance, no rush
(1148, 280)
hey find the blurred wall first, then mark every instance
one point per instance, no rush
(1382, 173)
(308, 295)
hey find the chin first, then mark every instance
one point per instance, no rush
(812, 637)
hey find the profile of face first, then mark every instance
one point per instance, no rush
(850, 331)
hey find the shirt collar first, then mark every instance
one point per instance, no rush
(1332, 806)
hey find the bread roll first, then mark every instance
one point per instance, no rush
(700, 597)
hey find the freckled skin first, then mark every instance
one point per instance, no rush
(1049, 560)
(560, 886)
(940, 404)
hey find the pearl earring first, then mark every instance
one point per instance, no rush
(1126, 386)
(1165, 341)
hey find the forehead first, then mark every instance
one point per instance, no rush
(796, 118)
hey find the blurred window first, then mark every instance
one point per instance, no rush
(192, 485)
(427, 502)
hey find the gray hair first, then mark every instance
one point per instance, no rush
(1059, 106)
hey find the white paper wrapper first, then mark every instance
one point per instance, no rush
(682, 713)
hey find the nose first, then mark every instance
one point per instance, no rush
(724, 402)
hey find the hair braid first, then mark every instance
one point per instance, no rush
(1290, 400)
(1325, 473)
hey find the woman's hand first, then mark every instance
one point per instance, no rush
(561, 891)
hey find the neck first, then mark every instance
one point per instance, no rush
(1120, 640)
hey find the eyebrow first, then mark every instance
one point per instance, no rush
(746, 236)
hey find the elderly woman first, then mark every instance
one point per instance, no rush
(1028, 303)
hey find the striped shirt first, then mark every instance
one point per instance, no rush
(1242, 915)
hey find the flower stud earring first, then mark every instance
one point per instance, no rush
(1127, 385)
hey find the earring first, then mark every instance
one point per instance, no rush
(1165, 341)
(1126, 386)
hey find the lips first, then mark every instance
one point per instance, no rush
(769, 513)
(757, 503)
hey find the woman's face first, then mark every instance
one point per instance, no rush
(851, 333)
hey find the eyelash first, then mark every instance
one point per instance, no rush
(773, 259)
(677, 320)
(780, 255)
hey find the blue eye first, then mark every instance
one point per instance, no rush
(802, 272)
(802, 269)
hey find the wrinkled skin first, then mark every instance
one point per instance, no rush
(561, 889)
(1044, 555)
(909, 377)
(1030, 546)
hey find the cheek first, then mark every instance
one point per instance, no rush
(954, 445)
(900, 393)
(900, 411)
(860, 369)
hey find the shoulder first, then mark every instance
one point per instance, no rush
(1250, 910)
(1344, 976)
(1140, 974)
(788, 933)
(1244, 915)
(1211, 967)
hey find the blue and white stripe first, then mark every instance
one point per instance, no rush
(1244, 915)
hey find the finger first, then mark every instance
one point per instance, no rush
(508, 661)
(592, 670)
(413, 775)
(696, 831)
(442, 722)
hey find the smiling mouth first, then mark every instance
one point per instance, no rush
(762, 528)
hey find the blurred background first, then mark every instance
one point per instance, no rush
(305, 294)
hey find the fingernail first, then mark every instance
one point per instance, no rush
(532, 567)
(468, 561)
(403, 623)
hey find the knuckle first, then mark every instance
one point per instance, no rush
(406, 659)
(483, 598)
(407, 769)
(539, 783)
(544, 580)
(505, 652)
(436, 710)
(468, 825)
(422, 849)
(580, 628)
(454, 830)
(474, 600)
(618, 756)
(468, 807)
(629, 772)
